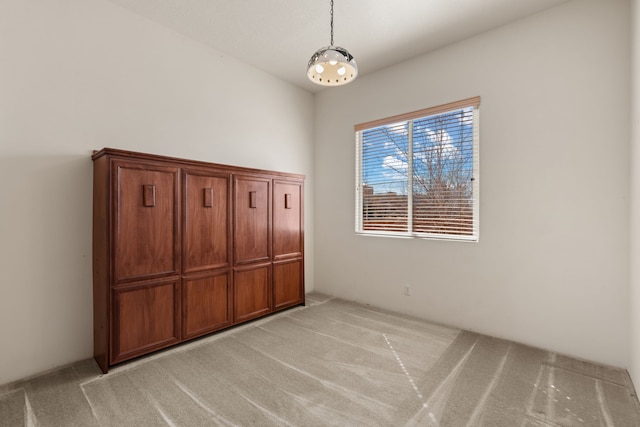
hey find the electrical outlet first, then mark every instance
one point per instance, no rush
(407, 290)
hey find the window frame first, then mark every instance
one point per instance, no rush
(408, 119)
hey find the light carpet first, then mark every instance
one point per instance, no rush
(331, 363)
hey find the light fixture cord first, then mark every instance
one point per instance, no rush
(331, 23)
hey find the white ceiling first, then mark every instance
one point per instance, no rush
(279, 36)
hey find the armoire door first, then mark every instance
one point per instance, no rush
(251, 219)
(206, 220)
(206, 297)
(145, 318)
(252, 292)
(288, 242)
(287, 219)
(145, 221)
(206, 304)
(288, 286)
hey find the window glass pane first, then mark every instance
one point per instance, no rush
(416, 173)
(385, 178)
(443, 173)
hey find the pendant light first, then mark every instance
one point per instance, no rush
(332, 65)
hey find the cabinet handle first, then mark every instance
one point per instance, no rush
(208, 197)
(287, 201)
(149, 196)
(252, 199)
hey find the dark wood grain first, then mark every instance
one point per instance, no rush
(252, 292)
(287, 221)
(101, 289)
(207, 230)
(146, 237)
(146, 317)
(288, 287)
(206, 304)
(251, 225)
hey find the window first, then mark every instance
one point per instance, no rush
(417, 173)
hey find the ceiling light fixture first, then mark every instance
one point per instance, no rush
(332, 65)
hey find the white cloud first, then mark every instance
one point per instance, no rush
(439, 137)
(438, 145)
(466, 118)
(395, 169)
(399, 128)
(394, 164)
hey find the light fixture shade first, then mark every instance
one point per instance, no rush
(332, 66)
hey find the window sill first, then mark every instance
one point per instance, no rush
(395, 235)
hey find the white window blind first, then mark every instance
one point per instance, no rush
(417, 173)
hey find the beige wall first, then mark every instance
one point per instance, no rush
(634, 336)
(78, 75)
(551, 266)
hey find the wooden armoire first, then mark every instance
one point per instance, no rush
(182, 248)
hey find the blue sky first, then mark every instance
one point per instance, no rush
(442, 145)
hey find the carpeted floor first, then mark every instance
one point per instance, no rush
(331, 363)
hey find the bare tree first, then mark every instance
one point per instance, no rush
(442, 175)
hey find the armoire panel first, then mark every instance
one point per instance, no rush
(287, 284)
(146, 317)
(252, 292)
(206, 220)
(287, 219)
(145, 221)
(206, 304)
(251, 219)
